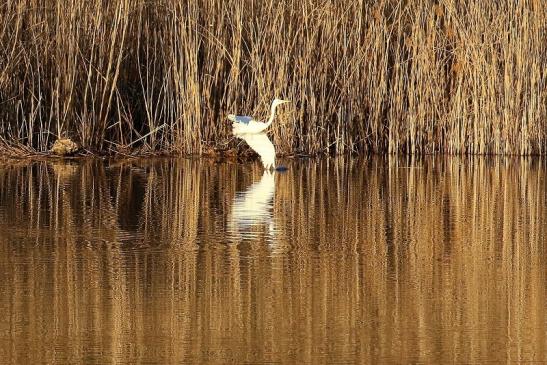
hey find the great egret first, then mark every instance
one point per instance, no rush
(262, 145)
(252, 132)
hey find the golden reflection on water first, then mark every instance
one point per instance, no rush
(369, 261)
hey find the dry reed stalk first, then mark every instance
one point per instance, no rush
(387, 76)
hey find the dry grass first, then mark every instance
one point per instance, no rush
(411, 77)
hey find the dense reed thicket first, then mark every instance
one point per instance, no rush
(399, 76)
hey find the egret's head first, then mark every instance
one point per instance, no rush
(277, 102)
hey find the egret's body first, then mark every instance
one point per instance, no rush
(252, 132)
(261, 144)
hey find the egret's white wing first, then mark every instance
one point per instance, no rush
(243, 125)
(262, 145)
(240, 119)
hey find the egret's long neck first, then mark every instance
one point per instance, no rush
(272, 115)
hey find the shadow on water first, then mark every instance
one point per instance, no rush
(435, 260)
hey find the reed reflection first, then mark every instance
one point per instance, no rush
(398, 261)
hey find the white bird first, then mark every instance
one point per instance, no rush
(243, 124)
(262, 145)
(252, 132)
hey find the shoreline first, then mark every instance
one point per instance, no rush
(234, 155)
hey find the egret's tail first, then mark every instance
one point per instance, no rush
(232, 117)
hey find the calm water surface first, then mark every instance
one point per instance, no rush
(437, 260)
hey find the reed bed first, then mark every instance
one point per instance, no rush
(365, 76)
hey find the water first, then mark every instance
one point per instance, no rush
(435, 260)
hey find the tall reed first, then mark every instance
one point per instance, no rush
(385, 76)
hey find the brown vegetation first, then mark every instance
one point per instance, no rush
(414, 77)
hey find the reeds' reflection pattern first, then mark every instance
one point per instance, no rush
(368, 261)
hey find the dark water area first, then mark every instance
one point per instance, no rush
(172, 261)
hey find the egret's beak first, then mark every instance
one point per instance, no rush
(285, 101)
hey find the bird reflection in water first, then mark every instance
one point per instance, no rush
(252, 209)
